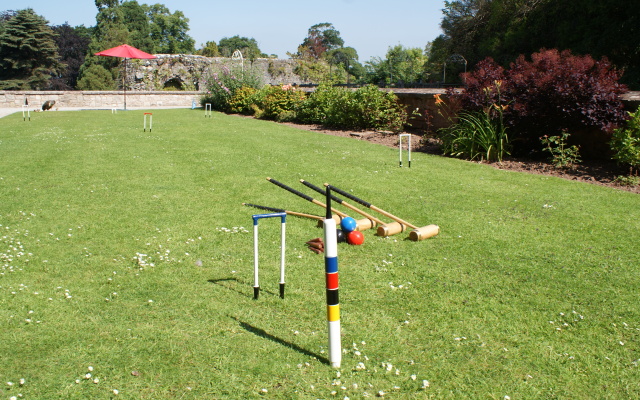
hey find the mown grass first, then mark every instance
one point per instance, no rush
(529, 291)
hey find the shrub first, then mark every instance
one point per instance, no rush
(96, 77)
(242, 100)
(276, 101)
(562, 155)
(365, 108)
(553, 92)
(323, 106)
(222, 86)
(379, 110)
(625, 142)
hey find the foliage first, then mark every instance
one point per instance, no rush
(505, 29)
(96, 77)
(222, 86)
(210, 49)
(553, 92)
(562, 155)
(312, 71)
(320, 39)
(401, 66)
(628, 180)
(152, 29)
(279, 102)
(377, 109)
(476, 135)
(28, 52)
(247, 46)
(169, 31)
(364, 108)
(72, 47)
(346, 59)
(625, 141)
(242, 101)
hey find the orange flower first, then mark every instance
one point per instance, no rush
(498, 107)
(438, 99)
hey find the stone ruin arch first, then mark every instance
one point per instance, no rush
(190, 72)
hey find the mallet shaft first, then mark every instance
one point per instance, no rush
(342, 202)
(371, 206)
(304, 196)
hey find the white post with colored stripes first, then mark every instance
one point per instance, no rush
(331, 268)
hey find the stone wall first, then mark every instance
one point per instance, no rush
(96, 99)
(190, 72)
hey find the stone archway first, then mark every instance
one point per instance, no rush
(174, 83)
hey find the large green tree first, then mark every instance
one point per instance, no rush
(28, 52)
(320, 38)
(152, 29)
(248, 47)
(168, 31)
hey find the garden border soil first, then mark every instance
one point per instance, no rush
(596, 172)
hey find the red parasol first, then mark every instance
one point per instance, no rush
(125, 51)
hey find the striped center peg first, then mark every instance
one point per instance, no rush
(331, 269)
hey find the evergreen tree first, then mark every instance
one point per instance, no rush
(28, 52)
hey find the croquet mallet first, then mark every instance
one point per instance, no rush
(362, 224)
(416, 234)
(338, 200)
(384, 229)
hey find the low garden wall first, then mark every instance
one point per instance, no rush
(97, 99)
(422, 99)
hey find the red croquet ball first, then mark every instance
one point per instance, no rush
(355, 238)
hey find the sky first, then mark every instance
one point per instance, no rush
(280, 26)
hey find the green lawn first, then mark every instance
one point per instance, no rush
(130, 252)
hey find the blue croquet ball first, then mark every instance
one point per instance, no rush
(348, 224)
(341, 236)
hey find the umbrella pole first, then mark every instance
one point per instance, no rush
(124, 84)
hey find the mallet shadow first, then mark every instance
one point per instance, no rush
(265, 335)
(221, 282)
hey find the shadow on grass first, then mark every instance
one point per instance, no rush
(264, 334)
(224, 282)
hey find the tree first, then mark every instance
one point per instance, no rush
(96, 77)
(248, 47)
(72, 47)
(169, 31)
(210, 49)
(505, 29)
(347, 59)
(401, 66)
(321, 38)
(28, 52)
(137, 22)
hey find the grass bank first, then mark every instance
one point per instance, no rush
(130, 252)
